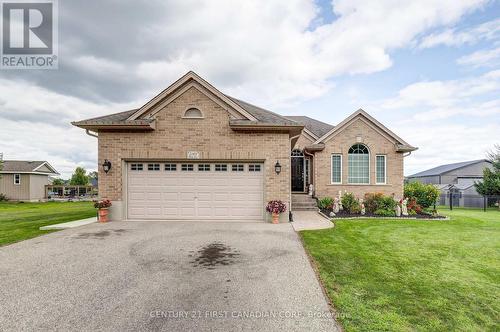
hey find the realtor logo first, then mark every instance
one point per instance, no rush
(29, 34)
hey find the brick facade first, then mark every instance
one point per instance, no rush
(358, 131)
(211, 136)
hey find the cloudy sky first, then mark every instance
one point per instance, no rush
(429, 70)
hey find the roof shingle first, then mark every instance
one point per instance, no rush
(316, 127)
(446, 168)
(21, 165)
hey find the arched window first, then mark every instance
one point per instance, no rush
(359, 164)
(193, 113)
(297, 153)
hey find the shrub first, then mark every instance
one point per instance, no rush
(424, 194)
(3, 198)
(385, 213)
(350, 203)
(325, 203)
(372, 201)
(414, 207)
(276, 207)
(387, 203)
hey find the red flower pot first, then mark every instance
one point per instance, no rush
(276, 218)
(103, 215)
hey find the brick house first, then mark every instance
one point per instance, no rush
(194, 152)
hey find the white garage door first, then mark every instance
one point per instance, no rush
(195, 191)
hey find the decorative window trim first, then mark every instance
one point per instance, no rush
(187, 167)
(204, 167)
(385, 168)
(254, 168)
(136, 167)
(18, 181)
(153, 167)
(185, 116)
(349, 166)
(331, 168)
(170, 167)
(237, 168)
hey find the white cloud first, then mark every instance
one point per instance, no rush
(434, 100)
(450, 121)
(449, 143)
(451, 37)
(35, 125)
(481, 58)
(264, 51)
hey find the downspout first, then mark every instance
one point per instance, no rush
(407, 154)
(290, 217)
(88, 132)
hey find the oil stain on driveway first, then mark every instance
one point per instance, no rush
(171, 276)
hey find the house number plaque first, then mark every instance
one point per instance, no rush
(193, 155)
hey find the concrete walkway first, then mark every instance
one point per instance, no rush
(309, 220)
(70, 224)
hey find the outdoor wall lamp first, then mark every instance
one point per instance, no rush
(106, 165)
(277, 167)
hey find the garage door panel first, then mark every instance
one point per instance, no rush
(195, 195)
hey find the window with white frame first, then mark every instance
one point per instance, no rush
(336, 168)
(381, 169)
(220, 167)
(237, 168)
(136, 167)
(17, 179)
(359, 164)
(187, 167)
(203, 167)
(254, 168)
(153, 167)
(170, 167)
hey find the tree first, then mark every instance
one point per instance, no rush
(58, 182)
(79, 177)
(490, 185)
(93, 176)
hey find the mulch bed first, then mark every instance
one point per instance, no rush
(345, 214)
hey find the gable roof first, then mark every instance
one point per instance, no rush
(25, 166)
(447, 168)
(401, 145)
(189, 77)
(316, 127)
(250, 114)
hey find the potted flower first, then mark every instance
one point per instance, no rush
(103, 209)
(276, 207)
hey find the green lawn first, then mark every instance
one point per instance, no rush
(21, 221)
(394, 275)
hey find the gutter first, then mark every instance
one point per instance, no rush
(88, 132)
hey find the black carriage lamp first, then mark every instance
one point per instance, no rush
(277, 167)
(106, 165)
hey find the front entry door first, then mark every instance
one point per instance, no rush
(298, 174)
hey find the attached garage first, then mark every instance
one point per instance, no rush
(204, 191)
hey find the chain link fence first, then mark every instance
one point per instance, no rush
(458, 199)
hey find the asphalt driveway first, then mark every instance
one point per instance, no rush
(162, 276)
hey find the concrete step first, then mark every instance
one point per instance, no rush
(304, 206)
(295, 208)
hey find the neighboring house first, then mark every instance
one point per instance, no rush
(457, 178)
(25, 180)
(194, 152)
